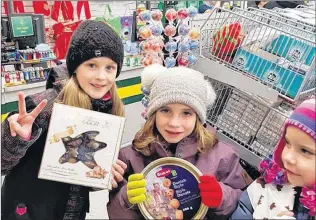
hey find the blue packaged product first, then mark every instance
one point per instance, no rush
(292, 49)
(26, 75)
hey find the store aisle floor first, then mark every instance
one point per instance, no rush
(98, 201)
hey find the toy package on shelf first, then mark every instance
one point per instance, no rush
(131, 53)
(13, 78)
(26, 75)
(41, 53)
(280, 78)
(131, 49)
(277, 58)
(34, 74)
(7, 57)
(126, 27)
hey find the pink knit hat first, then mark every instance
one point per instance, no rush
(304, 118)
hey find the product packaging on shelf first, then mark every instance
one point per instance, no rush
(280, 78)
(32, 55)
(292, 49)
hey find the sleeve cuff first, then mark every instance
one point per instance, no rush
(20, 144)
(124, 201)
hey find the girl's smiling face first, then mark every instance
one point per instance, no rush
(96, 76)
(298, 157)
(175, 122)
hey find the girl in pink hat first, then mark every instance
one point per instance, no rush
(287, 187)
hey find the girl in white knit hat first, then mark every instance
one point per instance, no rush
(175, 127)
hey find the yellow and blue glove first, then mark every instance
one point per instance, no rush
(136, 188)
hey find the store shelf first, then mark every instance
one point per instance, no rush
(11, 63)
(47, 59)
(37, 61)
(243, 152)
(27, 62)
(128, 68)
(31, 61)
(220, 72)
(10, 94)
(25, 86)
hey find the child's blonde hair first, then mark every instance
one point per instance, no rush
(73, 95)
(149, 134)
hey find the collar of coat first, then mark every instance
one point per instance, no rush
(185, 149)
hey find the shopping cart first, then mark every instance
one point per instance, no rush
(284, 15)
(251, 124)
(245, 114)
(309, 8)
(270, 49)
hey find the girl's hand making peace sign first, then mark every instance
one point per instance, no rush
(22, 122)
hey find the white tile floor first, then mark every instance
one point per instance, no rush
(98, 201)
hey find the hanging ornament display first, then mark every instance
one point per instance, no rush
(183, 60)
(183, 29)
(156, 15)
(183, 13)
(193, 44)
(145, 101)
(145, 15)
(194, 34)
(183, 47)
(171, 46)
(178, 49)
(145, 32)
(140, 8)
(171, 15)
(170, 30)
(145, 91)
(170, 62)
(147, 60)
(192, 59)
(156, 30)
(192, 11)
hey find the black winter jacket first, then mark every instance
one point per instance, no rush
(20, 162)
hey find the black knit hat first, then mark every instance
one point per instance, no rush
(94, 39)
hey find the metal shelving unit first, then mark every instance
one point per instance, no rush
(250, 110)
(265, 36)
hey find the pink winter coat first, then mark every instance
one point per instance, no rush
(221, 161)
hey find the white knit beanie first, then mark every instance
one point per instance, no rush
(177, 85)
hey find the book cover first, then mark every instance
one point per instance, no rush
(81, 146)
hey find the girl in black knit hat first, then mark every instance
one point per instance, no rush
(94, 60)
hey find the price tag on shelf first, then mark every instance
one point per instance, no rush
(8, 68)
